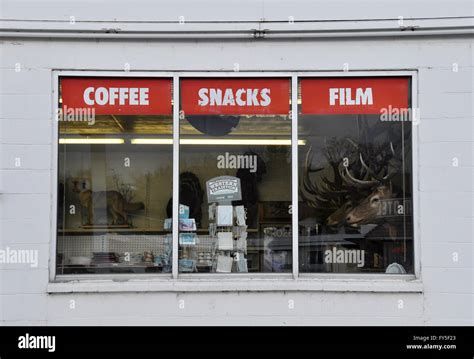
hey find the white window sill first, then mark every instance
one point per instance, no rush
(309, 283)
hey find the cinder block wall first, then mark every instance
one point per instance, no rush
(446, 191)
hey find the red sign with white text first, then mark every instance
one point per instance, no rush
(118, 96)
(235, 96)
(356, 95)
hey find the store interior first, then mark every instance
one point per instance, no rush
(115, 195)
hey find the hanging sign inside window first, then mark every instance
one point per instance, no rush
(357, 95)
(223, 189)
(117, 96)
(235, 96)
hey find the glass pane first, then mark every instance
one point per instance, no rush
(115, 176)
(239, 129)
(355, 171)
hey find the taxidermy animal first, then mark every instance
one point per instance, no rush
(190, 194)
(114, 202)
(367, 210)
(353, 194)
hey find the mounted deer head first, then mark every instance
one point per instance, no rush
(377, 179)
(361, 177)
(339, 216)
(368, 209)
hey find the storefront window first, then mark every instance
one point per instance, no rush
(235, 175)
(115, 175)
(355, 174)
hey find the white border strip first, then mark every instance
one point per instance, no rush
(54, 177)
(220, 283)
(415, 125)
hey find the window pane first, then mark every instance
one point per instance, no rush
(115, 176)
(355, 171)
(240, 129)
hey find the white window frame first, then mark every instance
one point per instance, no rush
(371, 282)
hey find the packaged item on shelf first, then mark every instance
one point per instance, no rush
(241, 266)
(183, 211)
(159, 260)
(224, 264)
(166, 257)
(212, 229)
(241, 245)
(168, 223)
(104, 258)
(240, 263)
(212, 212)
(187, 224)
(225, 241)
(239, 231)
(187, 265)
(224, 215)
(240, 215)
(148, 257)
(187, 239)
(131, 258)
(205, 258)
(235, 231)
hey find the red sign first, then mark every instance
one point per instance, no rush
(235, 96)
(357, 95)
(118, 96)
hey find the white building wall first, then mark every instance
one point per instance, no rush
(445, 132)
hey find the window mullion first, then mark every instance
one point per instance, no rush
(294, 172)
(175, 234)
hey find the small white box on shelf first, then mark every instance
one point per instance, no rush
(239, 214)
(225, 241)
(224, 264)
(212, 212)
(224, 215)
(241, 265)
(241, 245)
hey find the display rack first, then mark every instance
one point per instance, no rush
(231, 238)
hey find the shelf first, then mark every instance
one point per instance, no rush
(132, 230)
(120, 230)
(109, 265)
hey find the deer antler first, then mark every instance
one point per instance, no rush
(327, 193)
(369, 165)
(377, 175)
(349, 178)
